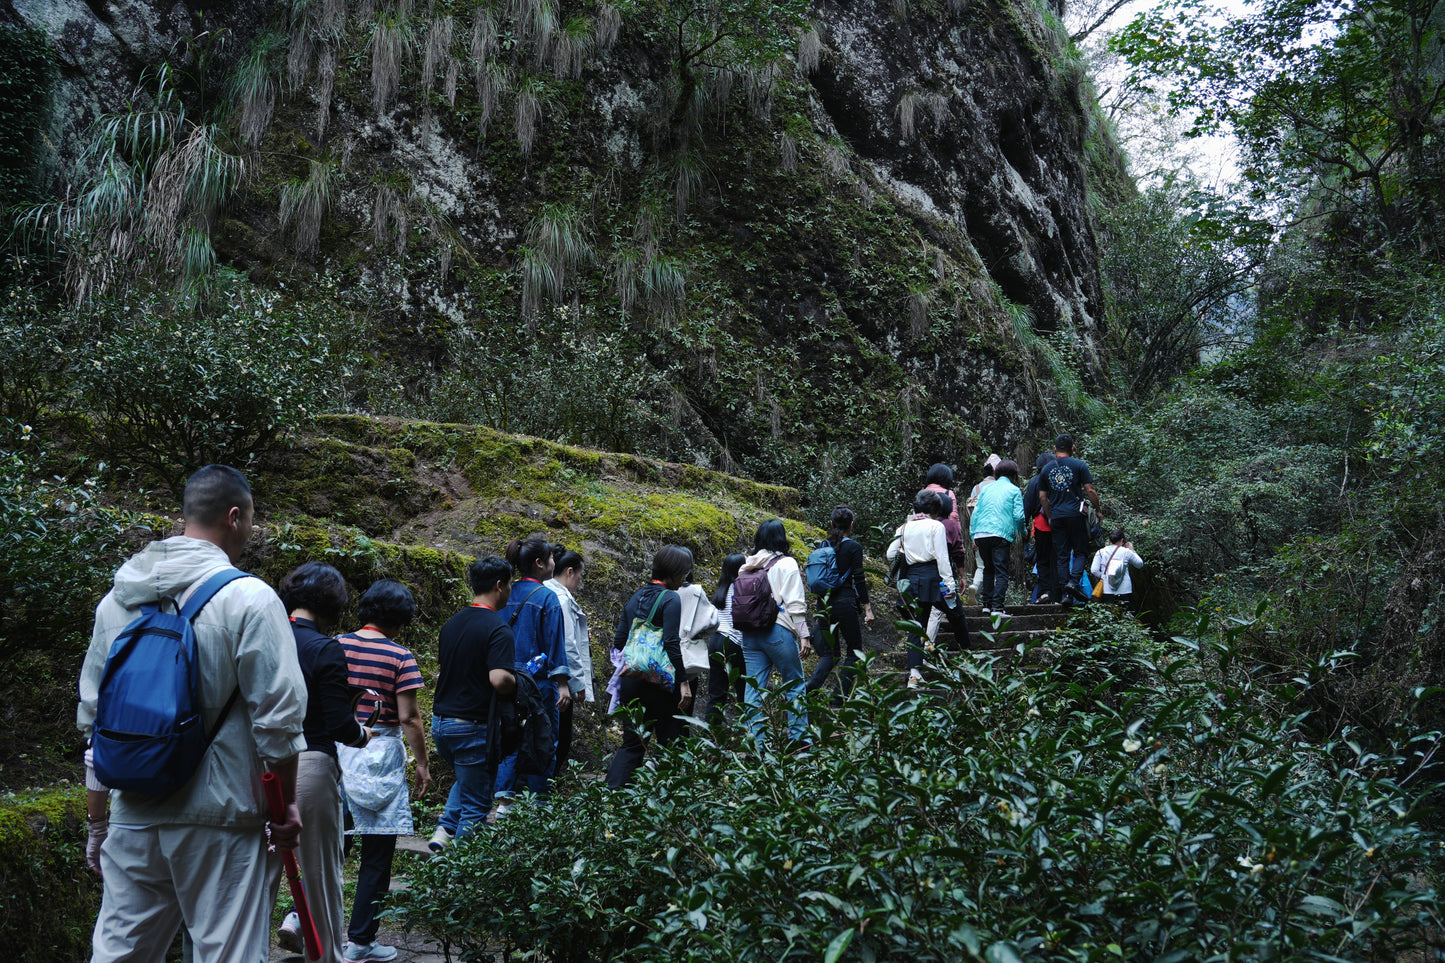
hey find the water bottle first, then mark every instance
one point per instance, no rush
(535, 663)
(950, 599)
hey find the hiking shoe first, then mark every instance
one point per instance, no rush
(999, 614)
(1076, 592)
(288, 937)
(439, 841)
(915, 679)
(985, 610)
(367, 952)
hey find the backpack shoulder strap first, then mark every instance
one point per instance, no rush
(208, 590)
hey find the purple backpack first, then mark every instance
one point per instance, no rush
(754, 609)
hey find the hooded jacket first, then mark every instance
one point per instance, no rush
(243, 640)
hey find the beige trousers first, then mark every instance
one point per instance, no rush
(318, 796)
(219, 882)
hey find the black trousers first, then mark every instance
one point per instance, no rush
(564, 737)
(373, 882)
(725, 657)
(1071, 552)
(659, 712)
(842, 610)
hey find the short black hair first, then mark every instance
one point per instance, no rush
(672, 562)
(939, 475)
(772, 537)
(927, 502)
(1042, 461)
(213, 491)
(387, 603)
(1065, 444)
(1117, 536)
(485, 573)
(316, 587)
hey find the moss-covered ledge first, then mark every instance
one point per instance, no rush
(48, 899)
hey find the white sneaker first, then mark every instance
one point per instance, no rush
(439, 841)
(915, 679)
(367, 952)
(288, 937)
(984, 609)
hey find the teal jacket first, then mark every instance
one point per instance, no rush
(999, 512)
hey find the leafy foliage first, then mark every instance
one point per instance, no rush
(25, 78)
(1008, 816)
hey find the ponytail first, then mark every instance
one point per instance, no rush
(525, 554)
(840, 523)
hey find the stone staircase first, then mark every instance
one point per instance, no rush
(1032, 624)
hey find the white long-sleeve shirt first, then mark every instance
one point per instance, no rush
(1112, 557)
(922, 539)
(786, 581)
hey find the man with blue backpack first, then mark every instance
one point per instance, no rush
(190, 692)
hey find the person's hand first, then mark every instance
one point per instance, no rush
(564, 698)
(868, 615)
(283, 835)
(684, 696)
(95, 833)
(423, 779)
(805, 645)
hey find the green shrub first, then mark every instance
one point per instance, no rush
(174, 390)
(48, 900)
(1008, 816)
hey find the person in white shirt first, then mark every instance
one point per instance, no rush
(781, 646)
(1111, 566)
(924, 544)
(566, 583)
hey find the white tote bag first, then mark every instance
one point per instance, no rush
(699, 620)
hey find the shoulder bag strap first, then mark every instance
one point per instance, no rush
(656, 603)
(517, 613)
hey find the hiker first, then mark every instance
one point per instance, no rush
(840, 607)
(657, 605)
(162, 857)
(994, 524)
(1111, 567)
(475, 659)
(374, 778)
(924, 546)
(1064, 486)
(566, 582)
(976, 571)
(725, 647)
(315, 595)
(960, 551)
(1044, 561)
(771, 610)
(535, 615)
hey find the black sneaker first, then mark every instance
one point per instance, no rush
(1077, 593)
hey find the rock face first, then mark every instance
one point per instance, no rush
(996, 145)
(814, 275)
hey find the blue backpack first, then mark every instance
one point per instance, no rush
(821, 571)
(149, 733)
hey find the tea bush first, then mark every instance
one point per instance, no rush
(1167, 808)
(172, 390)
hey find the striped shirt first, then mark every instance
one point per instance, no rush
(383, 665)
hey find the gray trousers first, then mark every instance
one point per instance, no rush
(318, 796)
(218, 881)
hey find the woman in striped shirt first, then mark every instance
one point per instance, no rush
(374, 778)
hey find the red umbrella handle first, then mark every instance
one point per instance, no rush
(271, 783)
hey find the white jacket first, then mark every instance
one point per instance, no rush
(1111, 558)
(786, 581)
(578, 640)
(922, 539)
(242, 639)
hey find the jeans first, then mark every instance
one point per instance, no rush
(725, 658)
(993, 551)
(1071, 548)
(539, 783)
(659, 717)
(842, 612)
(775, 648)
(463, 743)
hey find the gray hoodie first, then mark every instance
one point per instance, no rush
(244, 640)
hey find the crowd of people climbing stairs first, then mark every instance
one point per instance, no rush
(232, 733)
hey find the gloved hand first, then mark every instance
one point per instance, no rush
(96, 831)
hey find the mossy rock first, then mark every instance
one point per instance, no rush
(48, 899)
